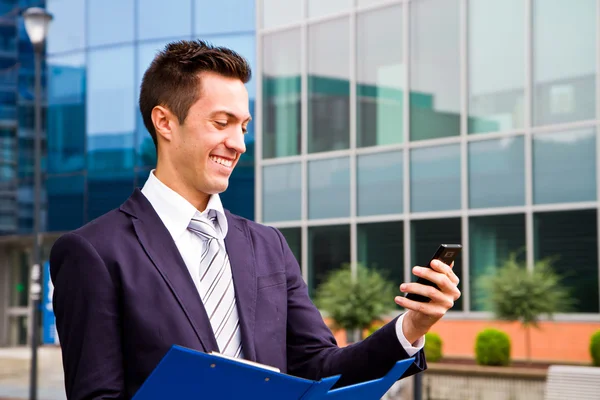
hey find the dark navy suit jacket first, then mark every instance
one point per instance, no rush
(123, 296)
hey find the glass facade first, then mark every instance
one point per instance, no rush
(98, 147)
(392, 127)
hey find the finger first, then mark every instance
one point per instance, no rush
(445, 269)
(432, 310)
(436, 296)
(440, 279)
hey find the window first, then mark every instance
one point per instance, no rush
(328, 250)
(67, 31)
(564, 166)
(65, 202)
(492, 240)
(107, 191)
(571, 238)
(279, 13)
(427, 235)
(381, 247)
(293, 237)
(66, 113)
(435, 178)
(497, 173)
(318, 8)
(564, 91)
(329, 188)
(116, 14)
(282, 192)
(380, 74)
(224, 16)
(110, 105)
(496, 65)
(155, 21)
(328, 86)
(434, 69)
(377, 174)
(281, 94)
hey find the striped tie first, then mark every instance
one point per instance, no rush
(216, 282)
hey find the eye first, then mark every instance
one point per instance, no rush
(222, 124)
(245, 129)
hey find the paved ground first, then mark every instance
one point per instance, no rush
(14, 374)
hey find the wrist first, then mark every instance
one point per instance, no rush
(412, 328)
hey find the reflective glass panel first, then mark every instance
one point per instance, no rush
(67, 31)
(282, 194)
(223, 16)
(435, 178)
(110, 21)
(329, 188)
(239, 196)
(564, 166)
(318, 8)
(328, 86)
(107, 192)
(66, 113)
(65, 202)
(278, 13)
(492, 240)
(155, 21)
(426, 238)
(434, 69)
(497, 173)
(281, 94)
(380, 183)
(380, 75)
(110, 102)
(293, 237)
(328, 250)
(564, 61)
(496, 65)
(381, 247)
(571, 238)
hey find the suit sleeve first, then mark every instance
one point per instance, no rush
(86, 305)
(313, 352)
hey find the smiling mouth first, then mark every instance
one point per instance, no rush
(223, 161)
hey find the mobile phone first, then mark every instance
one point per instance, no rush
(446, 253)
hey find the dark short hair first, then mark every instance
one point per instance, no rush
(173, 76)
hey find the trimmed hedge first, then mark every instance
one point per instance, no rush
(433, 347)
(492, 347)
(595, 348)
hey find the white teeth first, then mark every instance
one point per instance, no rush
(222, 161)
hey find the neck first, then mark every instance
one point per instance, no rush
(172, 180)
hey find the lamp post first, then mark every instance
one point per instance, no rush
(37, 21)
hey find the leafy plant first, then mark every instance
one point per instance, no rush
(492, 347)
(595, 348)
(354, 304)
(433, 347)
(516, 294)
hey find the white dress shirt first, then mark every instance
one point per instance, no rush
(176, 213)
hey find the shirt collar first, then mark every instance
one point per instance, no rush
(175, 211)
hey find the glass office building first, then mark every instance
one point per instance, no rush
(389, 127)
(98, 150)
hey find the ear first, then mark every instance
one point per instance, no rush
(164, 122)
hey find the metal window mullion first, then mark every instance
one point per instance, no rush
(528, 147)
(258, 127)
(406, 140)
(597, 133)
(464, 161)
(353, 161)
(304, 138)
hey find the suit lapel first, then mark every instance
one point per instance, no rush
(160, 247)
(241, 258)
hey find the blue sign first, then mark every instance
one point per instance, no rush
(50, 336)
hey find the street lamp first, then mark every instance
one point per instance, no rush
(37, 21)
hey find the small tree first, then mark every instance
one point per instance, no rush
(516, 294)
(354, 304)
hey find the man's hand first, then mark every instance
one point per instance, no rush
(422, 316)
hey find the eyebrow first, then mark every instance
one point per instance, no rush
(229, 115)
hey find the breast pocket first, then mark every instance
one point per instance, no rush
(267, 281)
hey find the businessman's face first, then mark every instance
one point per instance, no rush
(204, 149)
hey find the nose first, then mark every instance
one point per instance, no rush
(235, 141)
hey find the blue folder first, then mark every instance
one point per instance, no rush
(188, 374)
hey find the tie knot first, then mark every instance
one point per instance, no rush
(204, 226)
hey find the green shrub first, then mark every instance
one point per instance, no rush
(595, 348)
(433, 347)
(492, 347)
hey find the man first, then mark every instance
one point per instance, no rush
(171, 266)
